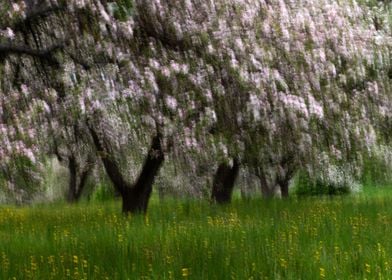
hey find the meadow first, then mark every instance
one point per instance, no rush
(314, 238)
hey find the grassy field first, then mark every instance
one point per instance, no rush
(317, 238)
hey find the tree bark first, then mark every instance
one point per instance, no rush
(111, 167)
(135, 197)
(71, 196)
(284, 188)
(267, 190)
(224, 181)
(76, 183)
(284, 179)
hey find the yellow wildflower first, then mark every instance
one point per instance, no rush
(322, 272)
(185, 272)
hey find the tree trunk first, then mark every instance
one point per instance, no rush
(135, 197)
(224, 181)
(75, 188)
(267, 190)
(284, 188)
(134, 202)
(284, 180)
(71, 196)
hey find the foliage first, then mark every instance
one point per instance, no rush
(122, 9)
(55, 181)
(377, 166)
(102, 192)
(21, 181)
(309, 186)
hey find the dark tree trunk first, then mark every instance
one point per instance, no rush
(76, 182)
(135, 197)
(71, 196)
(284, 188)
(135, 202)
(224, 180)
(267, 190)
(111, 167)
(284, 181)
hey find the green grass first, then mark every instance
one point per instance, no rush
(314, 238)
(372, 191)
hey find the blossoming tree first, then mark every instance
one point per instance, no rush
(274, 87)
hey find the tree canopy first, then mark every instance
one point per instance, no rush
(276, 87)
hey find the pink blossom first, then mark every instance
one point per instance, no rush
(171, 102)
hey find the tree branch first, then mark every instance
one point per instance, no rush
(111, 167)
(44, 54)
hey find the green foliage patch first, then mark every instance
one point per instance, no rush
(121, 9)
(308, 186)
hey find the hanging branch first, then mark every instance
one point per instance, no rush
(44, 54)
